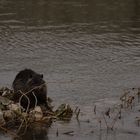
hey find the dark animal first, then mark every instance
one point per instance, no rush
(32, 84)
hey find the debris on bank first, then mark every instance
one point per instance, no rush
(111, 114)
(15, 120)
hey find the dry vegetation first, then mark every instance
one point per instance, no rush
(15, 120)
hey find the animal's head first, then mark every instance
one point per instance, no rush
(30, 77)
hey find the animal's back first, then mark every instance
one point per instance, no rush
(28, 80)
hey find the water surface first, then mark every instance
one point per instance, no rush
(87, 50)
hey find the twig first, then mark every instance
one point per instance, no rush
(100, 124)
(107, 113)
(8, 131)
(77, 114)
(57, 133)
(23, 94)
(75, 109)
(26, 126)
(138, 120)
(105, 121)
(95, 109)
(24, 119)
(69, 133)
(115, 120)
(123, 98)
(36, 87)
(20, 126)
(35, 99)
(129, 101)
(60, 82)
(138, 95)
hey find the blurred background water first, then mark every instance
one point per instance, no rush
(87, 50)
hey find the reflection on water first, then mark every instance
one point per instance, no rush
(86, 49)
(35, 133)
(52, 12)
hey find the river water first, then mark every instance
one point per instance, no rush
(87, 49)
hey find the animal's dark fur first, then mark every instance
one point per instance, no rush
(25, 81)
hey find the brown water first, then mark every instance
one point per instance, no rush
(87, 49)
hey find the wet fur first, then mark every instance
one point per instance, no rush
(25, 81)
